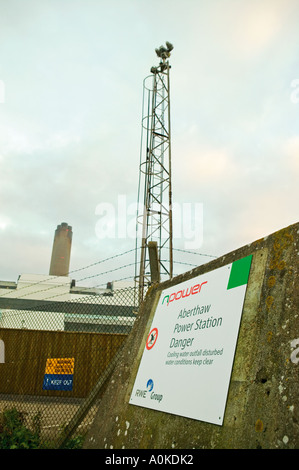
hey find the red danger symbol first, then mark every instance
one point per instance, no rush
(151, 339)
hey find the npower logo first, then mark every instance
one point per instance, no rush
(181, 294)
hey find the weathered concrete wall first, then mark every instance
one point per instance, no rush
(262, 409)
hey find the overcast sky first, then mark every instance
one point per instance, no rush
(71, 78)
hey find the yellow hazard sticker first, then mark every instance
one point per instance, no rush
(63, 365)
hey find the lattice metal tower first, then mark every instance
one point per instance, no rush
(155, 175)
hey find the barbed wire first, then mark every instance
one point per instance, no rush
(85, 297)
(194, 253)
(71, 272)
(55, 286)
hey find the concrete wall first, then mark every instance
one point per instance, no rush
(262, 409)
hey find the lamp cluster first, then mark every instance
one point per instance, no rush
(163, 53)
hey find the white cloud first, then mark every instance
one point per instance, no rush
(4, 222)
(205, 165)
(291, 149)
(14, 140)
(71, 122)
(251, 27)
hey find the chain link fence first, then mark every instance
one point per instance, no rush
(59, 343)
(56, 356)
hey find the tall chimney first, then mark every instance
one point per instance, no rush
(61, 252)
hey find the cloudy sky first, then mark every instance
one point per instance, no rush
(71, 78)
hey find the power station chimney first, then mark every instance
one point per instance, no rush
(61, 252)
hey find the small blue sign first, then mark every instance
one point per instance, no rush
(58, 382)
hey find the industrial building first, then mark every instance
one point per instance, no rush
(54, 302)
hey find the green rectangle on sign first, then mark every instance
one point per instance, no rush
(240, 272)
